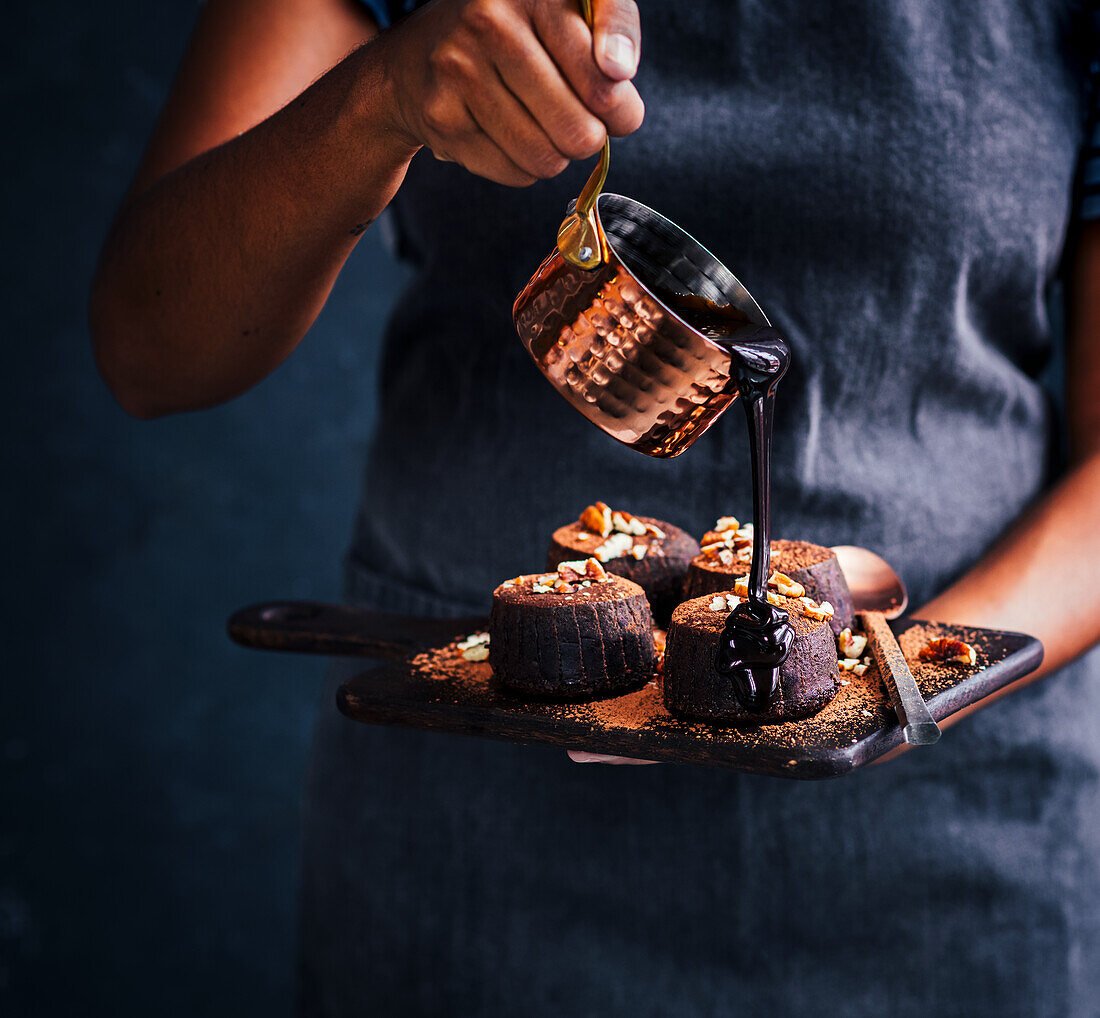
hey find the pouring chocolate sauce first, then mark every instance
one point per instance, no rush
(758, 635)
(656, 381)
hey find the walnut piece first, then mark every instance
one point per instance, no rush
(594, 571)
(729, 532)
(616, 546)
(724, 602)
(785, 585)
(851, 644)
(946, 651)
(597, 518)
(624, 523)
(821, 612)
(475, 647)
(579, 573)
(571, 572)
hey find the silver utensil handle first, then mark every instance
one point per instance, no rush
(918, 725)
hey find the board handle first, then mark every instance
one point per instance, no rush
(316, 627)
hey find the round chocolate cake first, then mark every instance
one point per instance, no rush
(577, 633)
(812, 566)
(652, 553)
(693, 688)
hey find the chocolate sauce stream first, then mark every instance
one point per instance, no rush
(757, 636)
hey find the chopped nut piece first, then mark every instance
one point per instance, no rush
(745, 554)
(594, 571)
(638, 551)
(571, 572)
(944, 651)
(541, 588)
(583, 536)
(725, 557)
(656, 532)
(727, 523)
(848, 664)
(627, 524)
(845, 682)
(615, 546)
(597, 518)
(563, 587)
(785, 585)
(480, 652)
(851, 644)
(861, 668)
(724, 602)
(474, 640)
(774, 598)
(817, 611)
(741, 586)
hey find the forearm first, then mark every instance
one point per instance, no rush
(1040, 578)
(211, 277)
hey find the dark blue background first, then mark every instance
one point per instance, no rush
(151, 769)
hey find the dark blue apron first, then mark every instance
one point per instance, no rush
(893, 182)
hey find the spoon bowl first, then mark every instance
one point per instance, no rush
(874, 584)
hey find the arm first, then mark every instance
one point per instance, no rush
(1040, 577)
(255, 187)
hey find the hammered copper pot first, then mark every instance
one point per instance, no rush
(614, 350)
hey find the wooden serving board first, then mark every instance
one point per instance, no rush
(438, 690)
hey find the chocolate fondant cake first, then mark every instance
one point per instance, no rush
(577, 633)
(652, 553)
(728, 553)
(693, 688)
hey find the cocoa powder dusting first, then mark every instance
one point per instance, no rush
(860, 709)
(935, 678)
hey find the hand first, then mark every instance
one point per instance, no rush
(515, 89)
(578, 756)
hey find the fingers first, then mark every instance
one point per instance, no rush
(511, 89)
(616, 29)
(567, 40)
(526, 69)
(578, 756)
(513, 130)
(455, 136)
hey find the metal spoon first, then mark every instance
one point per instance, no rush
(879, 594)
(580, 240)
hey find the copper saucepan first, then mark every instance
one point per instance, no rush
(615, 350)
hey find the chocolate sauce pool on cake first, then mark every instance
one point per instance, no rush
(757, 636)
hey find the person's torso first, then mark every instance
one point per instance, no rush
(892, 182)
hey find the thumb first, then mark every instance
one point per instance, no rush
(617, 37)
